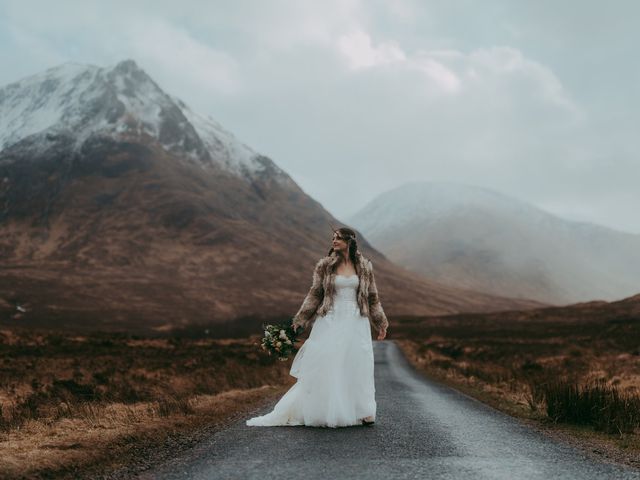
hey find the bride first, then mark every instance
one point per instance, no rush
(334, 367)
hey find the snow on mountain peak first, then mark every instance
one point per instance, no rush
(220, 143)
(82, 100)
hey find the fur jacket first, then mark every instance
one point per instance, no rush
(319, 300)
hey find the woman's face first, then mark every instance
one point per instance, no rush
(338, 242)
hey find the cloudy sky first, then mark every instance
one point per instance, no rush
(536, 99)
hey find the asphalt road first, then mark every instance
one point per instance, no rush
(423, 430)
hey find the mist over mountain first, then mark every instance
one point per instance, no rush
(471, 237)
(121, 206)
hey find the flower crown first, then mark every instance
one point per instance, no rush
(346, 236)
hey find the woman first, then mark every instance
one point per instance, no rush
(334, 367)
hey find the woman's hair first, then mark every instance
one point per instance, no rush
(349, 236)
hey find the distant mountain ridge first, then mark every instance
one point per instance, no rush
(121, 207)
(472, 237)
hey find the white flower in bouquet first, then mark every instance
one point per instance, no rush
(279, 340)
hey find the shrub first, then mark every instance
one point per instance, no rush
(597, 404)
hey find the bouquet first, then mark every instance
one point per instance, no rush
(279, 340)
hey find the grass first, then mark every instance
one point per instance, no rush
(75, 403)
(571, 374)
(72, 401)
(597, 404)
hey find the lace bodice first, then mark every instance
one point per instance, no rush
(346, 287)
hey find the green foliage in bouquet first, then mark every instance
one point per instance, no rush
(279, 340)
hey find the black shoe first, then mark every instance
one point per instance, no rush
(368, 423)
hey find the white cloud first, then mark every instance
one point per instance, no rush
(382, 91)
(360, 53)
(508, 61)
(173, 52)
(436, 71)
(40, 50)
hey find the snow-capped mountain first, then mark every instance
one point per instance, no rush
(473, 237)
(122, 207)
(120, 101)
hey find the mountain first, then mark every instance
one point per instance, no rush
(75, 102)
(471, 237)
(121, 207)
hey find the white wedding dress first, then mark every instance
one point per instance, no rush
(334, 368)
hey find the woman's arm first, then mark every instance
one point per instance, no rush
(312, 300)
(378, 316)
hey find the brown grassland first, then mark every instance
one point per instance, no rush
(72, 404)
(574, 377)
(79, 403)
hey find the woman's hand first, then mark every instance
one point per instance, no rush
(382, 333)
